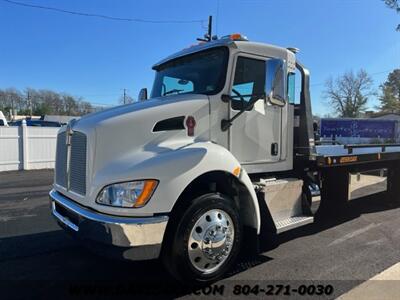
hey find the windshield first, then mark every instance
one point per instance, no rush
(200, 73)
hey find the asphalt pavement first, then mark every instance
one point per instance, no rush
(37, 257)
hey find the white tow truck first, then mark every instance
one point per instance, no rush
(219, 157)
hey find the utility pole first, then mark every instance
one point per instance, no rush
(12, 108)
(124, 96)
(29, 103)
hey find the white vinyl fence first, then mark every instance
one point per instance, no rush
(27, 147)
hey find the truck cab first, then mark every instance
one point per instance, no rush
(218, 157)
(233, 72)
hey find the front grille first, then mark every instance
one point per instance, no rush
(61, 160)
(77, 162)
(77, 177)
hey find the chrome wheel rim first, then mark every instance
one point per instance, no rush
(211, 240)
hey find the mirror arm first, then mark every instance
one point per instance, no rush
(226, 123)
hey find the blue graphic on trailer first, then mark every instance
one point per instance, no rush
(358, 128)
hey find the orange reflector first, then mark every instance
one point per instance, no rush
(236, 171)
(148, 189)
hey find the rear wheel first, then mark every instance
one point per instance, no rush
(205, 243)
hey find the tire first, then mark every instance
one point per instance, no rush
(205, 241)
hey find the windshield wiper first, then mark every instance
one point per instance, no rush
(172, 91)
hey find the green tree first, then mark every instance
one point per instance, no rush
(390, 92)
(43, 109)
(348, 94)
(394, 4)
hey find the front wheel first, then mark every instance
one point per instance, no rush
(206, 241)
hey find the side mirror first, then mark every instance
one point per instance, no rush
(142, 94)
(275, 82)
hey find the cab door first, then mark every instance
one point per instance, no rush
(255, 136)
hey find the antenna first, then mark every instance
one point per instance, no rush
(208, 35)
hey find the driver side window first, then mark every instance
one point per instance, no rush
(249, 82)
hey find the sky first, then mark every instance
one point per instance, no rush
(96, 58)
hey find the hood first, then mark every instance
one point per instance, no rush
(133, 132)
(90, 120)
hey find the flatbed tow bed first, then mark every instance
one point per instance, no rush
(340, 155)
(343, 169)
(329, 169)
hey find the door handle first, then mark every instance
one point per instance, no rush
(274, 149)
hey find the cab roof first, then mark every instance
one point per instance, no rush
(242, 46)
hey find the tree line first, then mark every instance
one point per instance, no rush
(42, 102)
(349, 93)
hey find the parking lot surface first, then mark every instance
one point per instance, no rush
(36, 255)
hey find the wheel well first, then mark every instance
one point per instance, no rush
(224, 183)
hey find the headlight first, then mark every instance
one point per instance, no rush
(127, 194)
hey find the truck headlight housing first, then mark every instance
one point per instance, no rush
(133, 194)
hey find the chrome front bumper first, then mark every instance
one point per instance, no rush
(134, 238)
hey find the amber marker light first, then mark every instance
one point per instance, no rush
(148, 189)
(236, 171)
(237, 37)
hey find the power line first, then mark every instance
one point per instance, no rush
(372, 74)
(107, 17)
(381, 72)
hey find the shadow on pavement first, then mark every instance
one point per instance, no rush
(352, 210)
(53, 263)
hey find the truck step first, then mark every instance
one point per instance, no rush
(292, 222)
